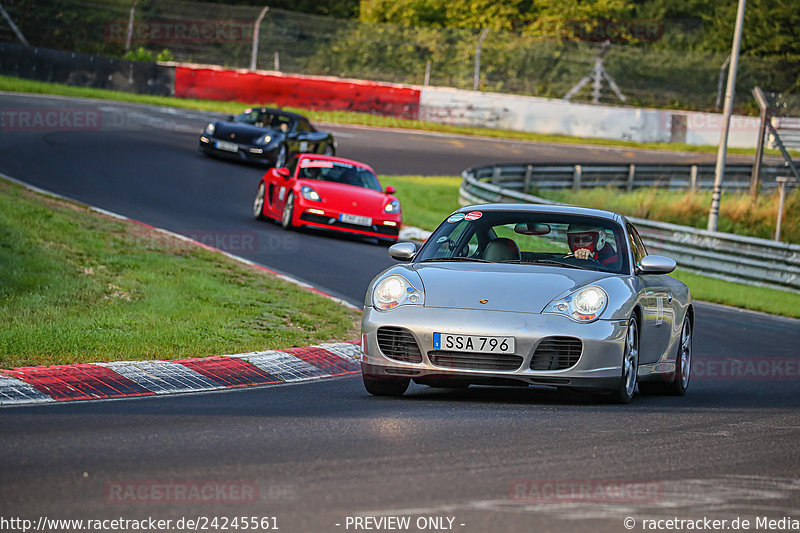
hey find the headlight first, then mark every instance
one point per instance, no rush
(210, 129)
(584, 305)
(393, 291)
(392, 207)
(310, 194)
(264, 139)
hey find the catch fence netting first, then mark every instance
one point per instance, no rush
(657, 70)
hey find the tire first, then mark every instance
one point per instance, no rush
(288, 212)
(683, 367)
(385, 387)
(280, 159)
(630, 365)
(328, 150)
(258, 202)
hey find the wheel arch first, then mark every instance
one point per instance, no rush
(637, 312)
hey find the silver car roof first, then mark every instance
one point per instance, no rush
(549, 209)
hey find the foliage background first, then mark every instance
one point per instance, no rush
(533, 47)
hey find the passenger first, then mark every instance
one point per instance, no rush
(589, 242)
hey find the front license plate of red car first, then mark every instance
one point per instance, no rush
(228, 147)
(473, 343)
(355, 219)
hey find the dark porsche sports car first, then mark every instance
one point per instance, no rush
(265, 135)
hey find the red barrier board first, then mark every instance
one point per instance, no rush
(328, 94)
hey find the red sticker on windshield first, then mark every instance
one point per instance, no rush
(474, 215)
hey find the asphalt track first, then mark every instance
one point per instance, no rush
(317, 453)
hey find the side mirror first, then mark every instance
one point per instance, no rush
(283, 172)
(403, 251)
(390, 189)
(230, 118)
(656, 264)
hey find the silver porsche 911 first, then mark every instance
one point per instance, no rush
(505, 294)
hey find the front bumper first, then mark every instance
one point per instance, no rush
(245, 152)
(599, 366)
(314, 215)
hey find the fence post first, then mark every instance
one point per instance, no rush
(526, 185)
(631, 174)
(693, 178)
(254, 54)
(477, 74)
(427, 73)
(762, 130)
(16, 30)
(276, 61)
(496, 175)
(129, 33)
(783, 183)
(576, 178)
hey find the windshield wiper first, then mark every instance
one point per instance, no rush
(559, 263)
(470, 259)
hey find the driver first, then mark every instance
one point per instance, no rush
(589, 242)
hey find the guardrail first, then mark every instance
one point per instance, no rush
(789, 130)
(725, 256)
(527, 178)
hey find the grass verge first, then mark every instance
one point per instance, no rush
(77, 286)
(12, 84)
(427, 201)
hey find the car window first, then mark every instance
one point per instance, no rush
(637, 246)
(303, 126)
(266, 118)
(338, 172)
(534, 238)
(292, 166)
(249, 116)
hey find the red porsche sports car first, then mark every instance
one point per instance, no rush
(331, 193)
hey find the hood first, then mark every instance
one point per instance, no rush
(341, 196)
(507, 287)
(242, 133)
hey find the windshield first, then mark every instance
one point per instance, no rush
(338, 172)
(556, 240)
(265, 118)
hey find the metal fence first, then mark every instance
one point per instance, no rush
(529, 178)
(749, 260)
(657, 71)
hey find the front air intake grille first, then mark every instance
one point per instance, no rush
(399, 344)
(475, 361)
(556, 353)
